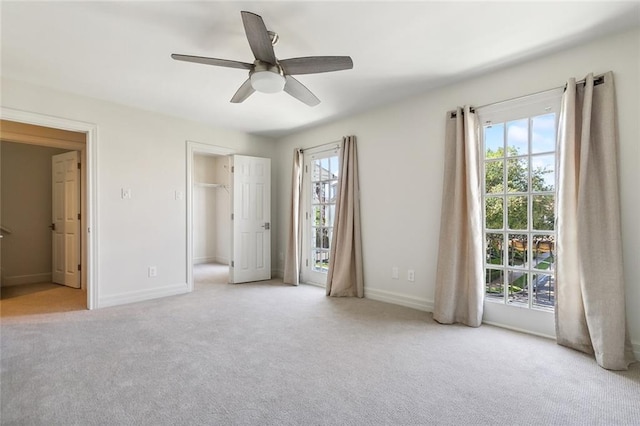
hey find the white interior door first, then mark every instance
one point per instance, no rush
(65, 219)
(251, 219)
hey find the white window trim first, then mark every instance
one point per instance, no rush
(534, 321)
(307, 275)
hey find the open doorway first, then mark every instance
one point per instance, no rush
(320, 189)
(211, 219)
(208, 192)
(248, 213)
(29, 256)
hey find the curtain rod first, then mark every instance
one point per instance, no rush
(597, 80)
(337, 143)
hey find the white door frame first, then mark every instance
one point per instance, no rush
(90, 219)
(194, 148)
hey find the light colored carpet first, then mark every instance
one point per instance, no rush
(272, 354)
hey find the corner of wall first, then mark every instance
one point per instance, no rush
(277, 273)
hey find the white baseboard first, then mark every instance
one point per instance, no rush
(26, 279)
(277, 273)
(636, 350)
(142, 295)
(520, 330)
(211, 259)
(200, 260)
(399, 299)
(221, 260)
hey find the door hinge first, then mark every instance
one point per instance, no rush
(306, 169)
(232, 264)
(233, 168)
(306, 215)
(79, 267)
(79, 166)
(306, 262)
(78, 216)
(231, 216)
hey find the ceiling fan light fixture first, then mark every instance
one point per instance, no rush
(267, 81)
(267, 74)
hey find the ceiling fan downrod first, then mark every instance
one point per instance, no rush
(274, 37)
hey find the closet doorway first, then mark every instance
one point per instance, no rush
(211, 218)
(228, 214)
(205, 165)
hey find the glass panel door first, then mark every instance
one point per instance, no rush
(321, 181)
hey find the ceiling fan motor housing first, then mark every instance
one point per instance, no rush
(266, 77)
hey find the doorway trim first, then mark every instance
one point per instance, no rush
(90, 231)
(194, 148)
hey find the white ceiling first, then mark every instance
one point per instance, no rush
(120, 51)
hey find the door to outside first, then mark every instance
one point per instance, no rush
(320, 186)
(251, 219)
(65, 219)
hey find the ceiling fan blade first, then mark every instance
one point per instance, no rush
(300, 92)
(212, 61)
(316, 64)
(243, 92)
(258, 37)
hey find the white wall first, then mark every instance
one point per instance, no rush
(401, 165)
(26, 211)
(146, 152)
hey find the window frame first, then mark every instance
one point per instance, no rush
(308, 274)
(527, 107)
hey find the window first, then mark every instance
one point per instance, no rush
(321, 184)
(519, 192)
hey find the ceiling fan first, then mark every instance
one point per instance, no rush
(267, 74)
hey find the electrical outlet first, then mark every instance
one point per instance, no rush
(411, 275)
(178, 195)
(153, 271)
(125, 193)
(394, 273)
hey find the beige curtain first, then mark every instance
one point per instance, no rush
(294, 234)
(460, 275)
(345, 275)
(590, 301)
